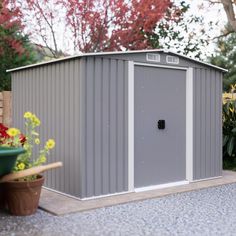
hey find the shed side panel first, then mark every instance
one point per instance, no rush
(207, 159)
(52, 93)
(104, 130)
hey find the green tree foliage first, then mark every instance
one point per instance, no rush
(226, 58)
(14, 46)
(179, 34)
(12, 57)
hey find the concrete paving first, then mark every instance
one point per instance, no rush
(206, 212)
(58, 204)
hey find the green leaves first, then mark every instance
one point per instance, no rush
(229, 127)
(225, 139)
(180, 33)
(225, 56)
(234, 130)
(230, 146)
(10, 56)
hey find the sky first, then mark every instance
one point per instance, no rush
(210, 12)
(213, 12)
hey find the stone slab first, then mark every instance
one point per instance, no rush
(59, 204)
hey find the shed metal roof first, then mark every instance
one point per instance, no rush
(116, 53)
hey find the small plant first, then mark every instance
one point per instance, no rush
(12, 137)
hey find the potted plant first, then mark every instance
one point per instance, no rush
(10, 148)
(22, 195)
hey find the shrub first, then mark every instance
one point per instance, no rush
(229, 124)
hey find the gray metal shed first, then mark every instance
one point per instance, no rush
(125, 121)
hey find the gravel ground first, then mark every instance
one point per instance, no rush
(205, 212)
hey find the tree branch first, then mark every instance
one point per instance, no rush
(213, 2)
(55, 53)
(229, 10)
(228, 32)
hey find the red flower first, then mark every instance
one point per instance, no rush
(3, 127)
(22, 139)
(3, 133)
(5, 137)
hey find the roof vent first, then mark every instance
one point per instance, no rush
(172, 60)
(153, 57)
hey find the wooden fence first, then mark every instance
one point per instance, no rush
(5, 108)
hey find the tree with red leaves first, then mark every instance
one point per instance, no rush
(111, 25)
(10, 18)
(95, 25)
(14, 46)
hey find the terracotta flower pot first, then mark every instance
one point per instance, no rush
(22, 197)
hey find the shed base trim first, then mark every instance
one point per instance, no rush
(161, 186)
(87, 198)
(199, 180)
(59, 192)
(105, 195)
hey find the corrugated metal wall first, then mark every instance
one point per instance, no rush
(207, 123)
(52, 92)
(104, 126)
(83, 104)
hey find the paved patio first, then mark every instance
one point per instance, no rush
(206, 212)
(58, 204)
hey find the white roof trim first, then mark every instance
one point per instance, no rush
(114, 53)
(201, 62)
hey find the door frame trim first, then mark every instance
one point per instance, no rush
(189, 120)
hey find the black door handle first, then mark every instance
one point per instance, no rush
(161, 124)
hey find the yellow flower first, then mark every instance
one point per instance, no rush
(43, 159)
(50, 144)
(13, 132)
(37, 141)
(21, 166)
(35, 120)
(233, 87)
(27, 115)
